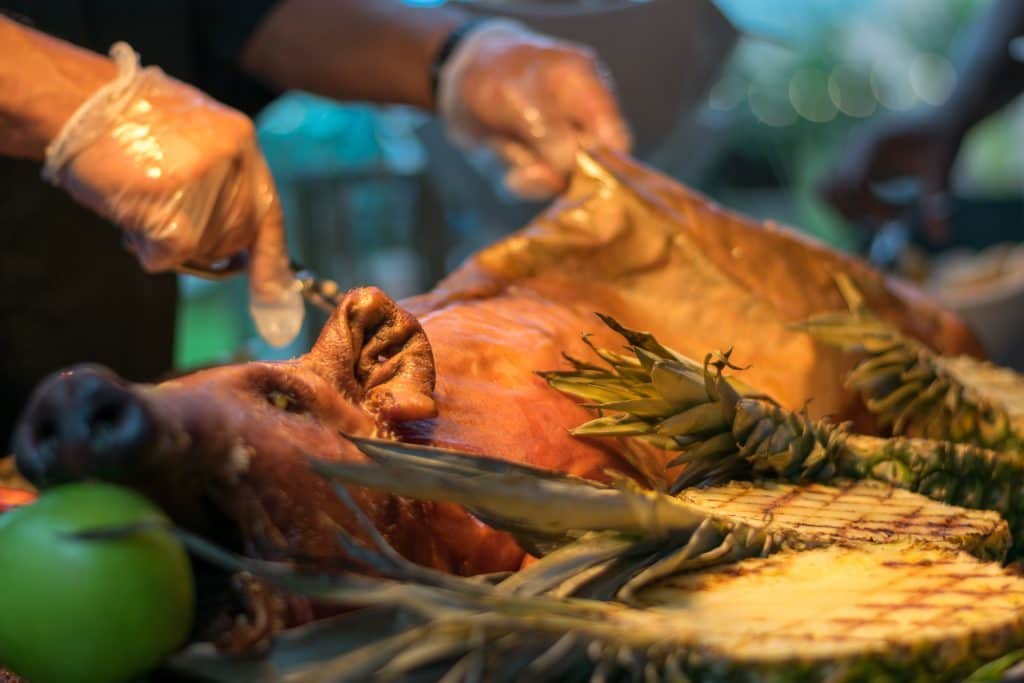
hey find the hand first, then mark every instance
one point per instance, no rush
(922, 148)
(531, 99)
(183, 176)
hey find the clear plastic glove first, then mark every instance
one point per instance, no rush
(531, 99)
(183, 176)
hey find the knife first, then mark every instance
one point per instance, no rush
(321, 292)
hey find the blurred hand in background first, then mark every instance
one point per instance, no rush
(533, 100)
(921, 149)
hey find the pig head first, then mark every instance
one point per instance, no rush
(225, 450)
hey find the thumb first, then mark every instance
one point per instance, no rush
(528, 176)
(535, 182)
(275, 301)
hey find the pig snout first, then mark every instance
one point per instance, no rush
(81, 423)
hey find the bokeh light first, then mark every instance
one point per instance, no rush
(808, 92)
(932, 77)
(891, 86)
(770, 106)
(727, 93)
(850, 91)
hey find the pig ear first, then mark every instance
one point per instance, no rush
(378, 355)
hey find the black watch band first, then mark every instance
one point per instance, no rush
(447, 48)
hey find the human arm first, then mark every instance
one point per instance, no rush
(42, 82)
(925, 145)
(532, 99)
(178, 172)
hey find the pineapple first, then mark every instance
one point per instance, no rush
(918, 392)
(832, 568)
(873, 615)
(547, 510)
(726, 431)
(861, 512)
(836, 612)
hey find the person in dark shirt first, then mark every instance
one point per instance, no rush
(924, 145)
(70, 292)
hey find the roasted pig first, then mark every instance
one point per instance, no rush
(225, 450)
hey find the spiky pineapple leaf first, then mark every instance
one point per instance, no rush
(539, 504)
(1005, 669)
(734, 434)
(919, 393)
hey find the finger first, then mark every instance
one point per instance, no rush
(872, 156)
(168, 241)
(529, 176)
(583, 90)
(856, 202)
(544, 130)
(169, 228)
(870, 159)
(236, 213)
(275, 303)
(535, 182)
(512, 152)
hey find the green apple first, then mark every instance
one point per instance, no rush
(101, 610)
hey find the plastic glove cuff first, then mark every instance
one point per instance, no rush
(80, 129)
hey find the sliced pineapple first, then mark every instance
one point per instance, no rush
(869, 614)
(873, 613)
(686, 593)
(856, 512)
(916, 391)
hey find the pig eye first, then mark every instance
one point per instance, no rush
(282, 391)
(283, 401)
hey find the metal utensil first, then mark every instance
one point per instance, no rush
(890, 241)
(320, 292)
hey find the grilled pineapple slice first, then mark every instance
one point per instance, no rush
(878, 613)
(856, 512)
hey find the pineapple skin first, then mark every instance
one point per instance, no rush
(917, 392)
(724, 430)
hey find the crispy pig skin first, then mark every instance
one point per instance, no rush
(456, 368)
(663, 258)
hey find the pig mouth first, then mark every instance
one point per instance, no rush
(87, 424)
(222, 450)
(235, 611)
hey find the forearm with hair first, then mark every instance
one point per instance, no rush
(364, 50)
(43, 81)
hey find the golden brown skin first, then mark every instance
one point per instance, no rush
(660, 257)
(238, 437)
(456, 368)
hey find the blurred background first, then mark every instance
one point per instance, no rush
(749, 101)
